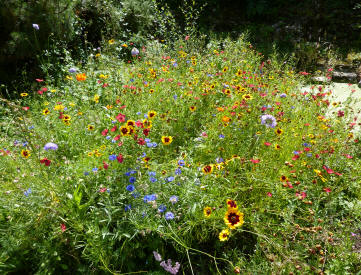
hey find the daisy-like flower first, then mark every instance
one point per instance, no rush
(279, 131)
(46, 112)
(125, 131)
(268, 120)
(232, 204)
(233, 218)
(131, 123)
(207, 169)
(283, 178)
(224, 235)
(207, 211)
(23, 94)
(166, 140)
(90, 127)
(25, 153)
(192, 108)
(152, 114)
(247, 97)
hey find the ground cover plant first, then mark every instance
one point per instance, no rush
(183, 160)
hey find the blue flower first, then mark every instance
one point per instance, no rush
(169, 179)
(130, 188)
(31, 127)
(221, 136)
(178, 171)
(173, 199)
(169, 216)
(135, 195)
(95, 169)
(72, 70)
(175, 97)
(36, 27)
(181, 162)
(309, 154)
(112, 157)
(27, 192)
(219, 160)
(132, 179)
(153, 179)
(151, 174)
(162, 208)
(148, 198)
(149, 144)
(86, 173)
(127, 207)
(139, 113)
(296, 153)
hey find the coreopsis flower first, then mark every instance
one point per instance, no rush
(232, 204)
(224, 235)
(207, 169)
(166, 140)
(207, 211)
(25, 153)
(279, 131)
(233, 218)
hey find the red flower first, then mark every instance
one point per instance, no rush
(39, 80)
(45, 161)
(255, 160)
(113, 129)
(105, 165)
(327, 189)
(120, 117)
(63, 227)
(141, 141)
(146, 131)
(120, 158)
(105, 132)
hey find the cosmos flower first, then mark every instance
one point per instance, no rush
(268, 120)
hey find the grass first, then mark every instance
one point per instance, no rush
(160, 153)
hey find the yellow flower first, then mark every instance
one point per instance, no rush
(166, 140)
(25, 153)
(247, 97)
(24, 94)
(53, 91)
(69, 77)
(125, 45)
(90, 127)
(279, 131)
(125, 130)
(111, 41)
(224, 235)
(231, 204)
(233, 218)
(98, 55)
(192, 108)
(46, 112)
(207, 211)
(103, 76)
(152, 114)
(207, 169)
(59, 107)
(96, 98)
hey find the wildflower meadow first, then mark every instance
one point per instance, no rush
(179, 160)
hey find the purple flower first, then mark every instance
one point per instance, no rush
(134, 52)
(157, 256)
(132, 179)
(168, 266)
(72, 70)
(50, 146)
(181, 162)
(148, 198)
(36, 27)
(268, 120)
(178, 171)
(127, 207)
(169, 216)
(283, 95)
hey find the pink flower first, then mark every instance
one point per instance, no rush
(187, 37)
(327, 189)
(269, 194)
(267, 144)
(255, 160)
(105, 132)
(62, 227)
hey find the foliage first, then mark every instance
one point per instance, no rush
(158, 153)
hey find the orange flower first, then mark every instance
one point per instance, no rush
(81, 77)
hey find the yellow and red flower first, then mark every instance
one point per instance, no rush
(25, 153)
(166, 140)
(224, 235)
(207, 211)
(207, 169)
(233, 218)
